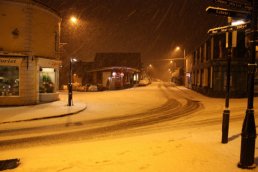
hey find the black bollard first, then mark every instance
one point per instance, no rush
(225, 126)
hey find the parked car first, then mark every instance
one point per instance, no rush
(144, 82)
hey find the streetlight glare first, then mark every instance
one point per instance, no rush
(237, 22)
(74, 60)
(73, 20)
(177, 48)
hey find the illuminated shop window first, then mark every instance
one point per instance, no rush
(47, 80)
(9, 81)
(136, 77)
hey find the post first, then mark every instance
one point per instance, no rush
(70, 86)
(184, 77)
(248, 135)
(226, 112)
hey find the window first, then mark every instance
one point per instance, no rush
(9, 81)
(47, 80)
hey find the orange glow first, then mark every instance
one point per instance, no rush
(177, 48)
(73, 20)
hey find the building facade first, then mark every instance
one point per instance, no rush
(206, 67)
(110, 71)
(29, 52)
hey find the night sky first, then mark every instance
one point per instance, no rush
(152, 27)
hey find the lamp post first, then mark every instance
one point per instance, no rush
(149, 70)
(248, 135)
(70, 85)
(184, 63)
(73, 21)
(226, 112)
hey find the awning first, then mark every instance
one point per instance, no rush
(115, 68)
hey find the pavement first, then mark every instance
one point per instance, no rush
(40, 111)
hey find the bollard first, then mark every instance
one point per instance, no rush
(225, 126)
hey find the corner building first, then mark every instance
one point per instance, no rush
(29, 53)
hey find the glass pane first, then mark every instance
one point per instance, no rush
(47, 80)
(9, 81)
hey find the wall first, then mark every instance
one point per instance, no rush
(29, 27)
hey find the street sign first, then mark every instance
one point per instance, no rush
(228, 12)
(228, 28)
(245, 6)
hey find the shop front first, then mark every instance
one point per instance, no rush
(9, 77)
(28, 80)
(48, 79)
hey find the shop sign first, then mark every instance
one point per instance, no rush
(49, 63)
(10, 61)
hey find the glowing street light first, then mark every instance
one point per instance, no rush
(73, 20)
(237, 22)
(184, 59)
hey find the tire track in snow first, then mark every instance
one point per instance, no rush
(111, 126)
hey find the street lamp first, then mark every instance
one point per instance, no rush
(248, 135)
(178, 48)
(230, 45)
(73, 20)
(70, 85)
(149, 70)
(184, 65)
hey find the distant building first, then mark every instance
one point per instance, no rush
(111, 70)
(206, 67)
(29, 52)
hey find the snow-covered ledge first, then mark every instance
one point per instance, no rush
(48, 97)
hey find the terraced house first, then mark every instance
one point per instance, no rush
(206, 67)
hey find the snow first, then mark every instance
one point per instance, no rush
(191, 143)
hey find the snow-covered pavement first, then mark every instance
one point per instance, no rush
(191, 143)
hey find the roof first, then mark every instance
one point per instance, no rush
(123, 68)
(38, 4)
(131, 60)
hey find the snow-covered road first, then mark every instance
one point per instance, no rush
(117, 119)
(189, 143)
